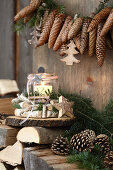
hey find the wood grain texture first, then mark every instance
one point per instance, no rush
(49, 122)
(43, 157)
(7, 55)
(74, 78)
(25, 54)
(6, 107)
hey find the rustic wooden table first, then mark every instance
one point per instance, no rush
(6, 106)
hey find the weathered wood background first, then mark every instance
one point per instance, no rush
(15, 54)
(74, 78)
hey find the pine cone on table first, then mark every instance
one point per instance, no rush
(60, 146)
(47, 28)
(77, 40)
(57, 25)
(98, 18)
(84, 35)
(44, 19)
(28, 9)
(75, 28)
(58, 42)
(103, 141)
(100, 46)
(66, 31)
(92, 42)
(108, 24)
(108, 160)
(83, 141)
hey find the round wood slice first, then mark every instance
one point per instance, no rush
(49, 122)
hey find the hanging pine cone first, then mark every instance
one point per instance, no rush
(44, 19)
(47, 28)
(75, 28)
(111, 32)
(62, 49)
(84, 35)
(28, 9)
(98, 18)
(66, 31)
(108, 160)
(92, 42)
(58, 42)
(100, 46)
(108, 24)
(77, 41)
(60, 146)
(103, 141)
(109, 42)
(83, 141)
(58, 22)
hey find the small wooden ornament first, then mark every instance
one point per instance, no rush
(70, 59)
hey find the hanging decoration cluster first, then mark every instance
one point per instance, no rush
(70, 35)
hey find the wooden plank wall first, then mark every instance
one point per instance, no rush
(74, 78)
(25, 54)
(7, 55)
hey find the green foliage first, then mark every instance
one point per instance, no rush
(101, 6)
(88, 160)
(19, 26)
(54, 110)
(40, 107)
(16, 106)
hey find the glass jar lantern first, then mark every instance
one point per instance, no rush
(40, 84)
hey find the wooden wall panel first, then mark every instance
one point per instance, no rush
(74, 78)
(7, 54)
(25, 54)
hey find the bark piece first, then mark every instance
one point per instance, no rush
(38, 135)
(48, 122)
(12, 154)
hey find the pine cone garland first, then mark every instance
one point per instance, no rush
(100, 46)
(84, 35)
(98, 18)
(28, 9)
(66, 31)
(58, 42)
(92, 42)
(103, 141)
(62, 49)
(75, 28)
(108, 24)
(83, 141)
(108, 160)
(109, 42)
(47, 28)
(44, 19)
(77, 41)
(60, 146)
(55, 29)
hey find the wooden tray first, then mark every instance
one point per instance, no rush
(49, 122)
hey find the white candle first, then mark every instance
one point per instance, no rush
(42, 89)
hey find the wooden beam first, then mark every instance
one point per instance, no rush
(17, 45)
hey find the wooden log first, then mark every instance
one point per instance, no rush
(7, 135)
(38, 135)
(43, 156)
(48, 122)
(12, 154)
(4, 166)
(32, 162)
